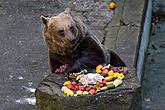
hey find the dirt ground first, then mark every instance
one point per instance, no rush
(153, 84)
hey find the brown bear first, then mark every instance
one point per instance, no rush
(70, 42)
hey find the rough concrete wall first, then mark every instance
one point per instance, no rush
(158, 5)
(144, 40)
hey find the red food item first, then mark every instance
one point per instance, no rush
(88, 88)
(92, 91)
(105, 71)
(81, 88)
(94, 87)
(73, 83)
(104, 82)
(70, 86)
(101, 85)
(76, 87)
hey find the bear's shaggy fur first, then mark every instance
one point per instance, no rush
(70, 42)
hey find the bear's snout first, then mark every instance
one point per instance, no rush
(71, 37)
(72, 41)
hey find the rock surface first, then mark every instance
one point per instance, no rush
(153, 95)
(50, 97)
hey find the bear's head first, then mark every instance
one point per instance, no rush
(62, 33)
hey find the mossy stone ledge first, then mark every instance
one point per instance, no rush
(125, 97)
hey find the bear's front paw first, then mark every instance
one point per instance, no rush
(61, 69)
(72, 69)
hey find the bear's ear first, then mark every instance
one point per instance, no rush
(44, 19)
(67, 10)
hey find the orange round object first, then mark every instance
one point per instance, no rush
(112, 5)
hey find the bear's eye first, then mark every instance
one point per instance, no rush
(61, 32)
(72, 29)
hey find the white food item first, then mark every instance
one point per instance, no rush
(117, 82)
(85, 93)
(63, 88)
(91, 78)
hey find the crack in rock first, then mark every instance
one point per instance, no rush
(105, 32)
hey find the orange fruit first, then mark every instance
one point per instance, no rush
(112, 5)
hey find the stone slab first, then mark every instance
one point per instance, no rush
(120, 98)
(112, 28)
(133, 11)
(127, 44)
(111, 37)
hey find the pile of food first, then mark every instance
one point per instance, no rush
(106, 77)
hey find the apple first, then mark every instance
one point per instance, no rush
(104, 82)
